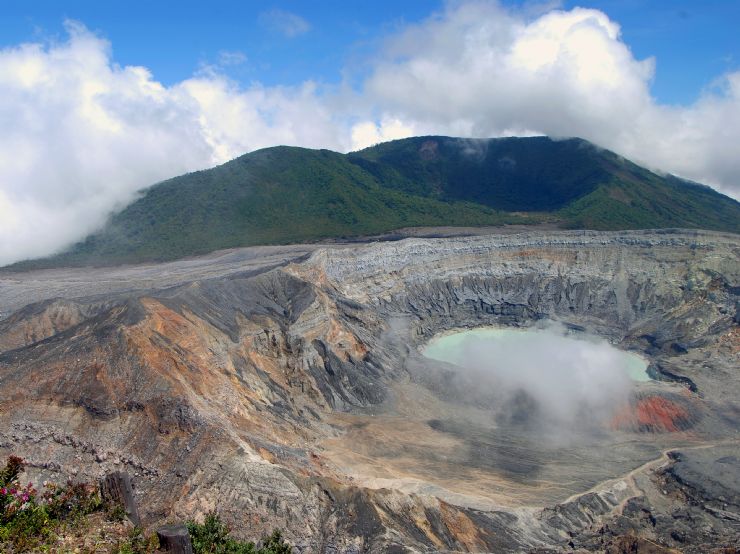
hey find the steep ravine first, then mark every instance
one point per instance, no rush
(296, 397)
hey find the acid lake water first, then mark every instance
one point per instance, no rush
(543, 346)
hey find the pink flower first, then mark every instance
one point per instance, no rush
(3, 491)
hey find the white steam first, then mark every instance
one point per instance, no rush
(544, 376)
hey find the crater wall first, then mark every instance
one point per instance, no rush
(295, 396)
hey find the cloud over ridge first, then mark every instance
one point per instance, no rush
(83, 134)
(480, 70)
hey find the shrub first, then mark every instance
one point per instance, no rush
(137, 543)
(274, 544)
(71, 501)
(28, 519)
(212, 537)
(9, 474)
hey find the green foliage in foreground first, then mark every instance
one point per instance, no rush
(32, 521)
(29, 518)
(212, 537)
(287, 195)
(137, 543)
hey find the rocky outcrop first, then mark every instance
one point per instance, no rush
(688, 505)
(295, 396)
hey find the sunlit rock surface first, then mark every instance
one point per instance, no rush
(285, 387)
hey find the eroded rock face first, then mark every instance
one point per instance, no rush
(295, 397)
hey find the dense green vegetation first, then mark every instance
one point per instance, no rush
(512, 174)
(273, 196)
(285, 194)
(584, 186)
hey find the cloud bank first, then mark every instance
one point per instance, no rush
(81, 134)
(480, 70)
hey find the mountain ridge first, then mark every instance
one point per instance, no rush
(286, 194)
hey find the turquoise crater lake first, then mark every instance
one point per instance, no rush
(496, 347)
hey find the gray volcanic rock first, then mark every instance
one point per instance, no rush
(288, 391)
(714, 475)
(691, 504)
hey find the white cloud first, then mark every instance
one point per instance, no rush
(368, 133)
(478, 69)
(286, 23)
(82, 134)
(234, 121)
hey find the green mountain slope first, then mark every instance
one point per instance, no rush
(272, 196)
(586, 186)
(286, 194)
(514, 174)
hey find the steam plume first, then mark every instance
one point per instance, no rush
(543, 376)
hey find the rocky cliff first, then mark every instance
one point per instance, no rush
(292, 393)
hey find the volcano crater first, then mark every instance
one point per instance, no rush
(298, 390)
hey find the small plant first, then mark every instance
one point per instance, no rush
(10, 472)
(25, 524)
(71, 501)
(23, 521)
(116, 513)
(212, 537)
(274, 544)
(137, 543)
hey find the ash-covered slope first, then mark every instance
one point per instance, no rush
(288, 195)
(295, 397)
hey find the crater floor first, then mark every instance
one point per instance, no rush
(285, 387)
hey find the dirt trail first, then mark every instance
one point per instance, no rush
(658, 463)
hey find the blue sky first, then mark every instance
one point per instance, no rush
(693, 42)
(101, 99)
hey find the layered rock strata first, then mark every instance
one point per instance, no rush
(292, 394)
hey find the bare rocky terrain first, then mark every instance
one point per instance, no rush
(284, 386)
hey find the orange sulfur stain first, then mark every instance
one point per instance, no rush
(654, 414)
